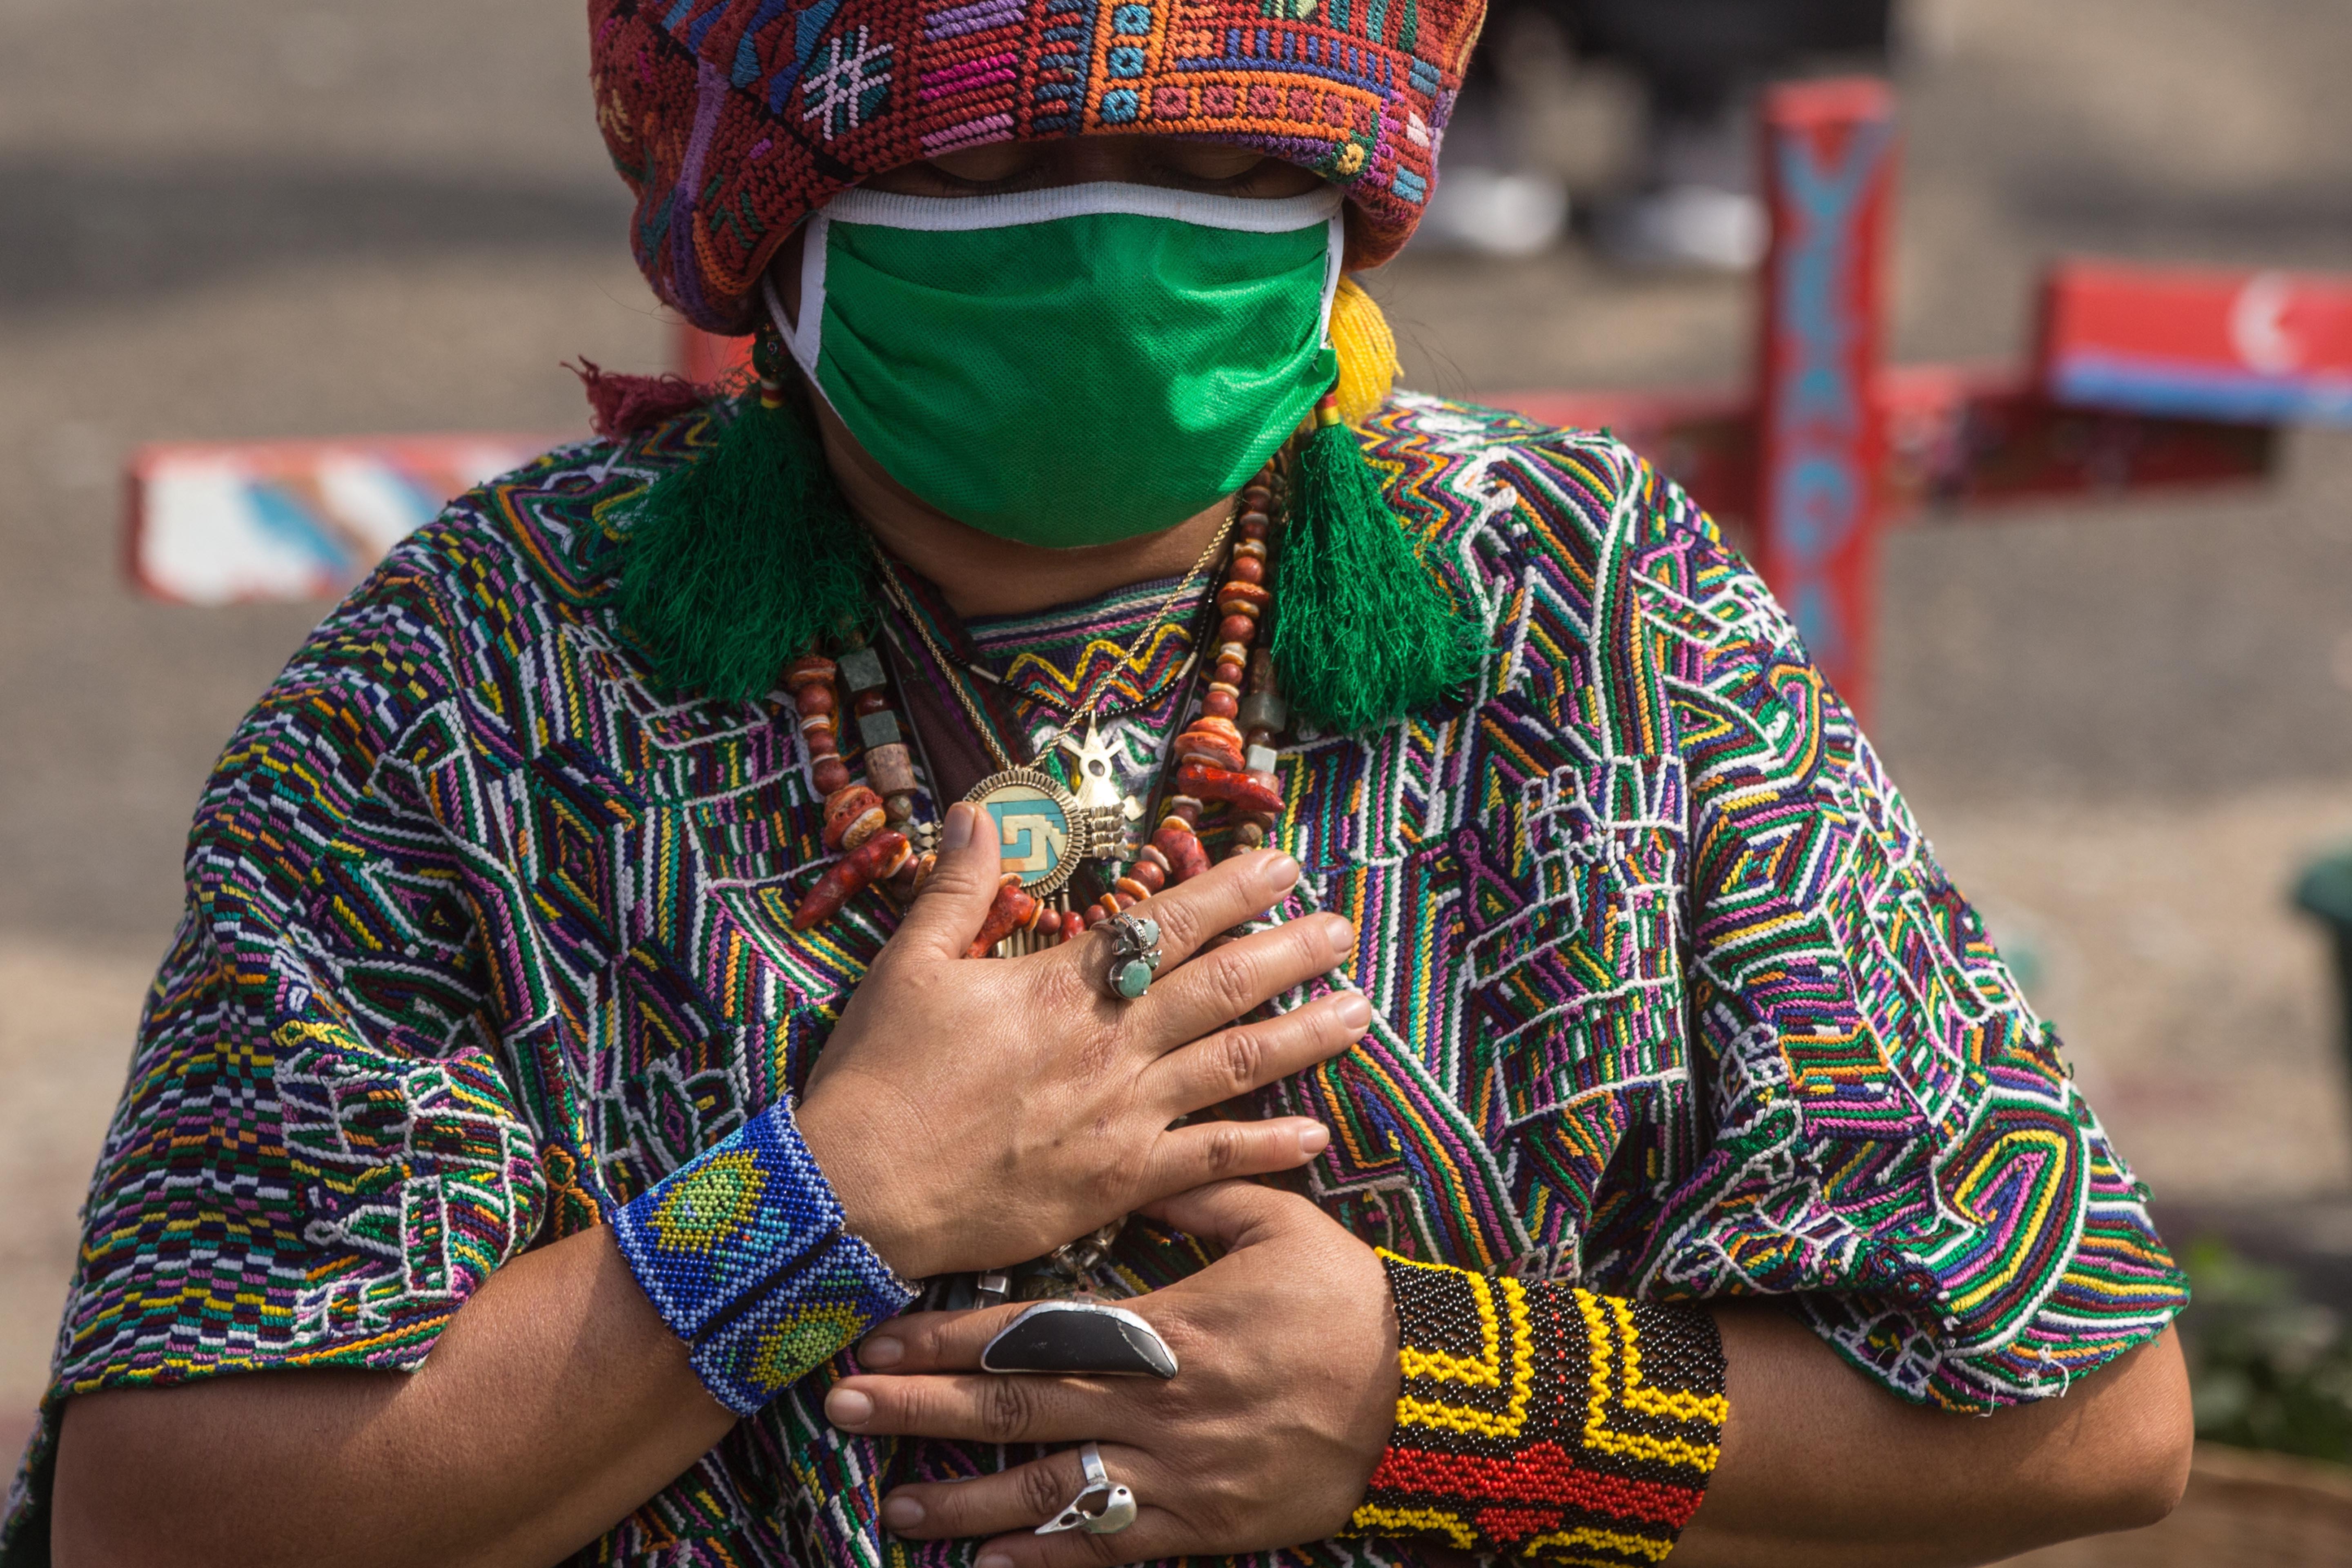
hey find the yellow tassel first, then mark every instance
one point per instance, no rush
(1367, 356)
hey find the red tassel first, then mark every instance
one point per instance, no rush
(623, 405)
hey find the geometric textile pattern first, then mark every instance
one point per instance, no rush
(742, 1253)
(1542, 1421)
(486, 937)
(732, 119)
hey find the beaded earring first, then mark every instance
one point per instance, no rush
(744, 556)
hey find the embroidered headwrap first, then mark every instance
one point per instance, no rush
(732, 119)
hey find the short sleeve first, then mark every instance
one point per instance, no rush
(317, 1155)
(1897, 1139)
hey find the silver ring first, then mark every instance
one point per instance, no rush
(1113, 1505)
(1135, 954)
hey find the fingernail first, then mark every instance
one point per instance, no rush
(884, 1350)
(1313, 1141)
(957, 831)
(993, 1560)
(1281, 875)
(901, 1512)
(847, 1407)
(1353, 1010)
(1340, 936)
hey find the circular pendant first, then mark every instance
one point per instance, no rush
(1042, 832)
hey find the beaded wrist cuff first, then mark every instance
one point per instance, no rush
(1545, 1422)
(742, 1250)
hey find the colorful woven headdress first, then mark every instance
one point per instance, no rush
(732, 119)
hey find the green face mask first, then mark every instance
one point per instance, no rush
(1069, 367)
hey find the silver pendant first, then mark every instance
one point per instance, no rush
(1097, 778)
(1042, 832)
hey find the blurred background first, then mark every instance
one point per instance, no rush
(2127, 727)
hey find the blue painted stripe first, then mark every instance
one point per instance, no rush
(281, 517)
(2149, 385)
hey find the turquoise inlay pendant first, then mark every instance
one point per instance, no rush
(1042, 831)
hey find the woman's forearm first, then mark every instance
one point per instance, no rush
(1823, 1469)
(554, 1403)
(557, 1401)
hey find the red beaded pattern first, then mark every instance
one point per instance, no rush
(1542, 1421)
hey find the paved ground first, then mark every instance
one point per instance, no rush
(2124, 728)
(2245, 1510)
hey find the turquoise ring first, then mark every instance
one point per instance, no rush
(1135, 954)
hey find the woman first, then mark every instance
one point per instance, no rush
(1417, 809)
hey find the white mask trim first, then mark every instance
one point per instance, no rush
(802, 339)
(1243, 214)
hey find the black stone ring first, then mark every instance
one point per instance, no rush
(1080, 1338)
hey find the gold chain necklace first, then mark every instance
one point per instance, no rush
(1045, 831)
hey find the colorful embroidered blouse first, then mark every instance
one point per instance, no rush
(484, 937)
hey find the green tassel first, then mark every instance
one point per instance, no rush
(742, 559)
(1363, 633)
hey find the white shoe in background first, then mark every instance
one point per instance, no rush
(1689, 226)
(1496, 212)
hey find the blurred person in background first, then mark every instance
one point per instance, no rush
(709, 971)
(1692, 199)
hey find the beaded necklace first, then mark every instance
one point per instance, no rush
(1223, 768)
(1046, 830)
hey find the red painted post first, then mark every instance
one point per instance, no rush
(1829, 167)
(2257, 347)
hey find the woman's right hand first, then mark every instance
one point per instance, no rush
(975, 1114)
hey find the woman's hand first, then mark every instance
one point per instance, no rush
(972, 1115)
(1266, 1438)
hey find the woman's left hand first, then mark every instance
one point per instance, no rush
(1265, 1439)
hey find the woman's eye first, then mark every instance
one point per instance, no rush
(1218, 166)
(992, 165)
(1235, 170)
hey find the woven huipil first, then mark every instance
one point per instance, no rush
(484, 937)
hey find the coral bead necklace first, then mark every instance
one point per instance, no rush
(1222, 765)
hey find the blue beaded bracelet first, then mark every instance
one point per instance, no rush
(742, 1252)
